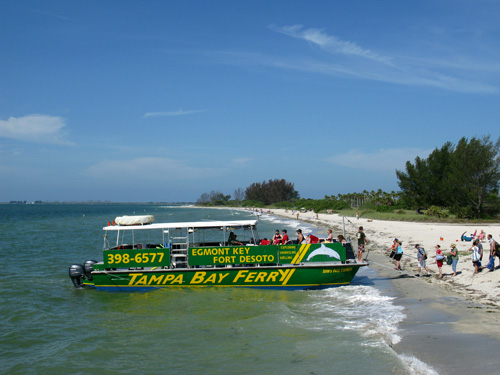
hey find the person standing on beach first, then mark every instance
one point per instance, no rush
(493, 247)
(393, 248)
(439, 261)
(491, 258)
(398, 255)
(362, 241)
(421, 256)
(454, 258)
(475, 256)
(480, 247)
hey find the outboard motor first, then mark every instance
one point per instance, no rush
(88, 267)
(76, 273)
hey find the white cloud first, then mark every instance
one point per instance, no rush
(330, 43)
(180, 112)
(379, 160)
(149, 169)
(362, 63)
(35, 128)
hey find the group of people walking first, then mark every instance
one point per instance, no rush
(450, 256)
(477, 254)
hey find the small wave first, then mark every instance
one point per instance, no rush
(417, 367)
(361, 308)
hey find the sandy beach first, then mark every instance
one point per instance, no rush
(445, 317)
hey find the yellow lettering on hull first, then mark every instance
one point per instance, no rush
(198, 277)
(156, 279)
(239, 277)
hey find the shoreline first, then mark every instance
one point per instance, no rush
(443, 317)
(482, 288)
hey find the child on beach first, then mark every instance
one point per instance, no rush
(439, 261)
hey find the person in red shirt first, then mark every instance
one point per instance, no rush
(264, 241)
(311, 238)
(284, 239)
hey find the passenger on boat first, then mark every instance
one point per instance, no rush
(311, 238)
(277, 238)
(329, 239)
(264, 241)
(300, 237)
(231, 241)
(341, 238)
(285, 239)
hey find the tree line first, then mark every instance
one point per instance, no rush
(258, 194)
(462, 179)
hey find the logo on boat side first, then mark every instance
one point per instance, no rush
(323, 250)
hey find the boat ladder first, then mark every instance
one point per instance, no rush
(179, 239)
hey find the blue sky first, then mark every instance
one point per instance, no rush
(166, 100)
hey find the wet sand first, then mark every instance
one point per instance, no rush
(442, 329)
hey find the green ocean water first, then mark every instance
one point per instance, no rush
(49, 327)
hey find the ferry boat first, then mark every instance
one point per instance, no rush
(142, 255)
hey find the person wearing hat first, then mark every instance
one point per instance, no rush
(421, 256)
(454, 258)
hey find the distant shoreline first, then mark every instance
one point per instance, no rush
(27, 203)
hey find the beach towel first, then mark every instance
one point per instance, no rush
(491, 264)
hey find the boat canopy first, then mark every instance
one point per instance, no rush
(224, 225)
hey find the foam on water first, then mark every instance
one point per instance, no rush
(417, 367)
(363, 309)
